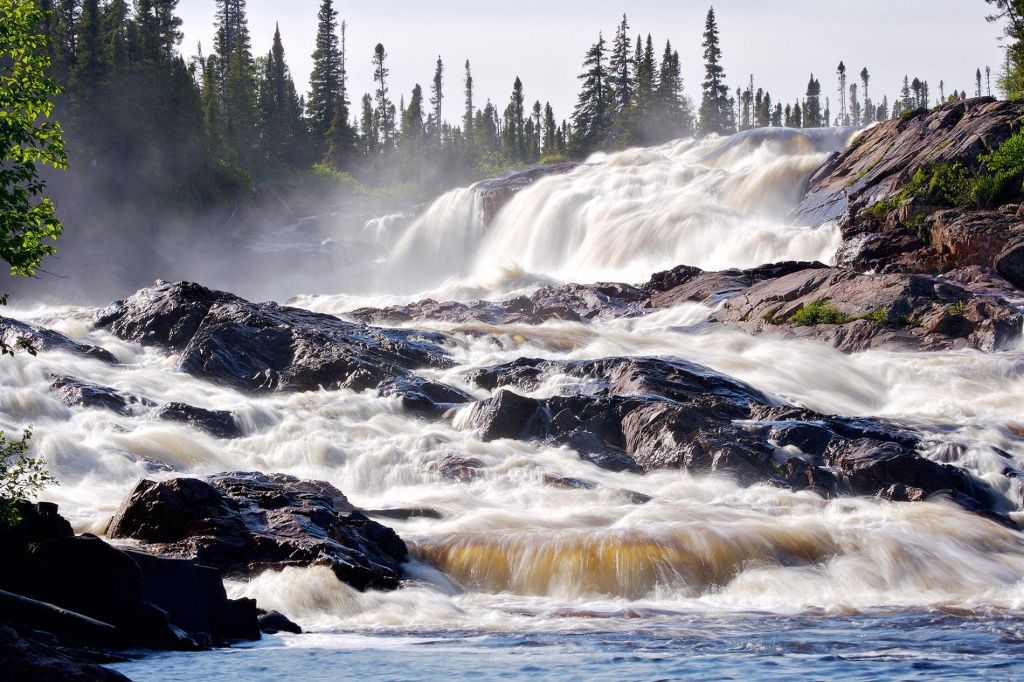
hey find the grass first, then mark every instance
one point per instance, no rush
(818, 312)
(958, 309)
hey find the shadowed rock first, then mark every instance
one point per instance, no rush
(41, 339)
(249, 522)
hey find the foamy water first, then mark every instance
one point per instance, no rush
(512, 554)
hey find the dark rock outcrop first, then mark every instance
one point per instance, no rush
(646, 414)
(218, 423)
(41, 339)
(85, 592)
(273, 622)
(263, 347)
(245, 523)
(495, 193)
(894, 310)
(882, 159)
(24, 656)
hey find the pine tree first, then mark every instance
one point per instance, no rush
(591, 119)
(467, 116)
(325, 79)
(813, 119)
(906, 102)
(977, 81)
(844, 115)
(385, 108)
(621, 67)
(550, 141)
(715, 110)
(854, 106)
(369, 127)
(514, 128)
(869, 106)
(437, 97)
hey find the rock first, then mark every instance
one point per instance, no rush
(264, 347)
(273, 622)
(218, 423)
(494, 194)
(23, 657)
(245, 523)
(1010, 264)
(424, 397)
(647, 414)
(460, 469)
(918, 312)
(572, 303)
(74, 392)
(42, 339)
(883, 158)
(686, 283)
(568, 483)
(404, 514)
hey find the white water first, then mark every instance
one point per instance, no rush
(715, 203)
(512, 553)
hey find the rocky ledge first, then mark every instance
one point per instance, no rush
(646, 414)
(263, 347)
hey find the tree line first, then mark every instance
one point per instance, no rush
(143, 118)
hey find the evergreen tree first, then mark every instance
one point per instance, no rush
(467, 116)
(437, 97)
(591, 119)
(869, 106)
(977, 81)
(369, 128)
(385, 108)
(715, 110)
(844, 115)
(550, 135)
(813, 119)
(325, 79)
(906, 102)
(621, 67)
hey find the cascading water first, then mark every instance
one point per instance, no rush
(512, 554)
(715, 203)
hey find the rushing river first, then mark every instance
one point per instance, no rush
(708, 580)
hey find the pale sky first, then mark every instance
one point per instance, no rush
(780, 42)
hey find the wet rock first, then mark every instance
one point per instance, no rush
(568, 483)
(218, 423)
(245, 523)
(918, 312)
(686, 283)
(460, 469)
(273, 622)
(647, 414)
(41, 339)
(263, 346)
(26, 657)
(495, 193)
(74, 392)
(424, 397)
(404, 513)
(571, 303)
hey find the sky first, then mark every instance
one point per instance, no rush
(779, 42)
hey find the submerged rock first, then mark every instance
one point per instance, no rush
(495, 193)
(245, 523)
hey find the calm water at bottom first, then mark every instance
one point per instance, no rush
(891, 647)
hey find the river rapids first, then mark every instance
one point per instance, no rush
(584, 583)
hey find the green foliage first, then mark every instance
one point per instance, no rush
(879, 316)
(21, 477)
(943, 184)
(958, 309)
(552, 159)
(879, 211)
(333, 179)
(818, 312)
(28, 139)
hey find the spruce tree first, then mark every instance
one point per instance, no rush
(621, 66)
(325, 79)
(385, 108)
(437, 97)
(468, 114)
(813, 119)
(843, 112)
(550, 141)
(715, 110)
(592, 116)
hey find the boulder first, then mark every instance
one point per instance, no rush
(218, 423)
(274, 622)
(495, 193)
(1010, 264)
(24, 657)
(264, 347)
(75, 392)
(41, 339)
(245, 523)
